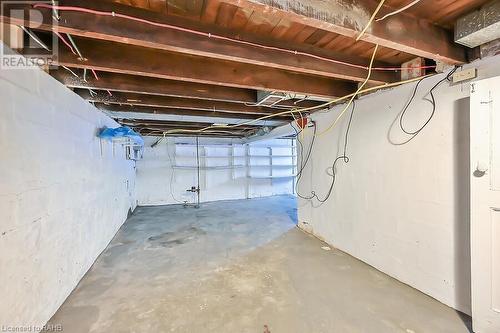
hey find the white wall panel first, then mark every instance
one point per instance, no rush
(63, 194)
(228, 171)
(402, 208)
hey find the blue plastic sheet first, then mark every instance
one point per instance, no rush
(121, 132)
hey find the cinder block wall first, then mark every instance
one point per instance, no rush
(63, 194)
(402, 208)
(229, 170)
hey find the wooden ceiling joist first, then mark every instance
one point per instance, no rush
(183, 112)
(218, 134)
(156, 124)
(154, 86)
(116, 29)
(125, 59)
(402, 32)
(156, 101)
(209, 58)
(192, 131)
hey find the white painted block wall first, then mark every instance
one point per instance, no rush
(403, 209)
(63, 196)
(160, 183)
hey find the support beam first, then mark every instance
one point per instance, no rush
(123, 59)
(181, 112)
(154, 86)
(156, 133)
(121, 30)
(348, 17)
(230, 133)
(152, 124)
(156, 101)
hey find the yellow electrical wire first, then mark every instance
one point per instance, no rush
(312, 108)
(402, 9)
(354, 95)
(371, 20)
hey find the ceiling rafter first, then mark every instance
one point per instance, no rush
(125, 59)
(174, 102)
(402, 32)
(117, 29)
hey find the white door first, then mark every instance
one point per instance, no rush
(485, 205)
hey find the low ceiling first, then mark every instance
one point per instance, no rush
(148, 74)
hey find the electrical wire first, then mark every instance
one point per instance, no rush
(34, 37)
(433, 102)
(215, 36)
(343, 158)
(172, 175)
(75, 47)
(69, 70)
(371, 20)
(72, 48)
(65, 42)
(303, 163)
(95, 74)
(332, 125)
(411, 4)
(312, 108)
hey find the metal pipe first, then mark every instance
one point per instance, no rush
(198, 165)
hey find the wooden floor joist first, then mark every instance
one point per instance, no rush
(156, 124)
(184, 112)
(401, 32)
(122, 30)
(155, 101)
(214, 64)
(153, 86)
(123, 59)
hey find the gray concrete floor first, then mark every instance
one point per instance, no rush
(238, 266)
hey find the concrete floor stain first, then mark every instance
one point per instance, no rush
(171, 269)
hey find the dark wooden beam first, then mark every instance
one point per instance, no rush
(181, 112)
(120, 58)
(156, 133)
(175, 124)
(220, 132)
(118, 29)
(156, 101)
(348, 17)
(154, 86)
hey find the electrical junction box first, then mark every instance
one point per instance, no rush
(467, 74)
(413, 69)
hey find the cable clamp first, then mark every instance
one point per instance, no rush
(113, 14)
(209, 35)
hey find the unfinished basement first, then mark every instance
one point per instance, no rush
(271, 166)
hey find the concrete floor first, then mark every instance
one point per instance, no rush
(239, 266)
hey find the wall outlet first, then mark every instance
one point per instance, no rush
(467, 74)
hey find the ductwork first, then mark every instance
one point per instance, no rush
(479, 27)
